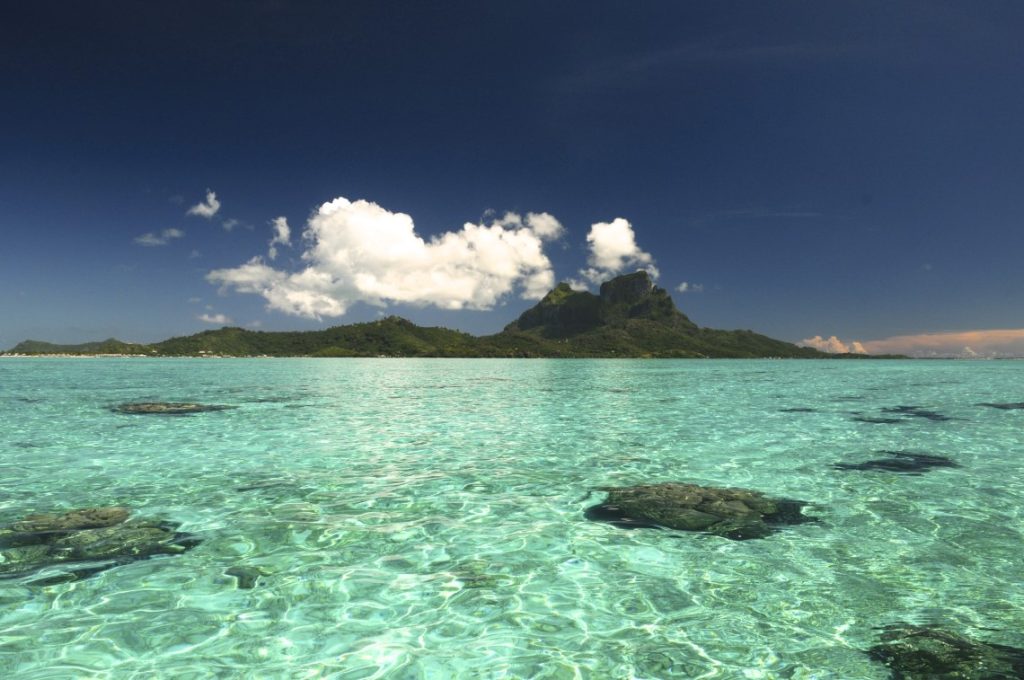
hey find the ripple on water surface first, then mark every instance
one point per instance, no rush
(426, 518)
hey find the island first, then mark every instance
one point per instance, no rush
(630, 317)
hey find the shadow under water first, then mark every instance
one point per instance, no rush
(1005, 406)
(904, 462)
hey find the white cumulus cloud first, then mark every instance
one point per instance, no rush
(159, 239)
(282, 236)
(613, 248)
(207, 208)
(833, 345)
(359, 251)
(686, 287)
(219, 319)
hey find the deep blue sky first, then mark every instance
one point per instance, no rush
(854, 169)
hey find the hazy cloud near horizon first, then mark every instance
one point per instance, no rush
(1006, 342)
(833, 345)
(996, 342)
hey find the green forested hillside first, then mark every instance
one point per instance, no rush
(630, 317)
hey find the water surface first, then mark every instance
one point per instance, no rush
(425, 518)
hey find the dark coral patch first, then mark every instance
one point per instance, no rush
(930, 653)
(83, 542)
(738, 514)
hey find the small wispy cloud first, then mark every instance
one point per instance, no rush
(219, 319)
(230, 223)
(207, 208)
(686, 287)
(162, 238)
(194, 254)
(282, 236)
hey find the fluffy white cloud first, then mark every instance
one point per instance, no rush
(686, 287)
(159, 239)
(613, 248)
(282, 236)
(207, 208)
(833, 345)
(228, 224)
(219, 319)
(543, 224)
(359, 251)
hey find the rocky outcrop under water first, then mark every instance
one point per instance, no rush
(738, 514)
(246, 577)
(165, 408)
(84, 542)
(930, 653)
(904, 462)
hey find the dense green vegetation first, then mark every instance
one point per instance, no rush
(630, 317)
(109, 346)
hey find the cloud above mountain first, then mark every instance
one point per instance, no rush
(220, 319)
(358, 251)
(613, 250)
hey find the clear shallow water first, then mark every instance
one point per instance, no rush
(424, 518)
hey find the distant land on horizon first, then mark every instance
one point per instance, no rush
(629, 318)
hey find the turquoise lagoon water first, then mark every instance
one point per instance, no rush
(425, 518)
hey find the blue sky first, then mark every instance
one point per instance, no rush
(807, 169)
